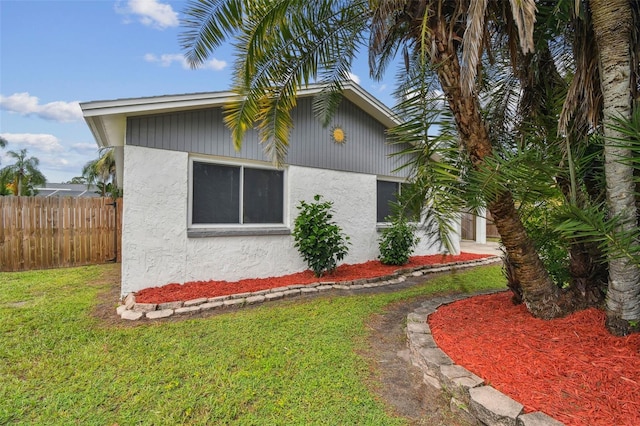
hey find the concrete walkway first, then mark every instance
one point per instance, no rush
(491, 247)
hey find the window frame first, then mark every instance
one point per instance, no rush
(399, 183)
(195, 230)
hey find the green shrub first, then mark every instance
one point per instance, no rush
(397, 242)
(319, 240)
(552, 249)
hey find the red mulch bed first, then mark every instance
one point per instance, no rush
(570, 368)
(346, 272)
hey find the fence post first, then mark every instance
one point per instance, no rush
(115, 230)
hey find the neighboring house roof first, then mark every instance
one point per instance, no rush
(107, 119)
(75, 190)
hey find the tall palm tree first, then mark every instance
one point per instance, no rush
(285, 44)
(24, 172)
(606, 52)
(612, 25)
(101, 170)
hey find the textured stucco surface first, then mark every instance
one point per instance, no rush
(156, 250)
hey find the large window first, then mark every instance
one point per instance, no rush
(387, 193)
(228, 194)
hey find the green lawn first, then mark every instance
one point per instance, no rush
(290, 362)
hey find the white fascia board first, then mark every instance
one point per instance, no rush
(156, 104)
(361, 98)
(368, 103)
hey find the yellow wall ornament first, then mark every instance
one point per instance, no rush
(338, 135)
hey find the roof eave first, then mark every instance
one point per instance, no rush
(107, 119)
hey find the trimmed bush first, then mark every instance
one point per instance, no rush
(397, 242)
(320, 241)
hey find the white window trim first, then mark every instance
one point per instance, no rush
(384, 225)
(199, 230)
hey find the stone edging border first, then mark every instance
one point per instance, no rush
(130, 310)
(478, 403)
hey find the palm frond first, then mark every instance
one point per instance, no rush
(629, 130)
(385, 35)
(208, 23)
(527, 174)
(283, 49)
(590, 224)
(583, 105)
(524, 15)
(472, 44)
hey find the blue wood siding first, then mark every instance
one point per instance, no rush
(203, 132)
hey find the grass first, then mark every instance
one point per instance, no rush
(292, 362)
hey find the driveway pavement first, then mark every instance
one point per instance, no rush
(468, 246)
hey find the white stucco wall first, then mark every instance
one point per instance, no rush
(481, 226)
(154, 232)
(157, 251)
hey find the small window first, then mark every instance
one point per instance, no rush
(216, 193)
(262, 196)
(227, 194)
(387, 193)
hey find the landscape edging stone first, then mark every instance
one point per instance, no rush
(469, 396)
(178, 307)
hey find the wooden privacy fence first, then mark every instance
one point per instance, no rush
(54, 232)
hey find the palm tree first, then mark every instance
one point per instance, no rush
(605, 38)
(545, 82)
(3, 142)
(5, 181)
(283, 45)
(24, 172)
(100, 171)
(612, 25)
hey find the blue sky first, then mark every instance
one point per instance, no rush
(55, 54)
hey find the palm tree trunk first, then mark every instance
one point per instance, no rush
(612, 21)
(539, 293)
(20, 176)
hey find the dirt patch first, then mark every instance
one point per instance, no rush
(395, 380)
(108, 298)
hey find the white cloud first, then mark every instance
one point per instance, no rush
(167, 59)
(25, 104)
(214, 64)
(57, 162)
(85, 147)
(354, 77)
(37, 141)
(151, 13)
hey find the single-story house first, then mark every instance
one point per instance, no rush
(195, 209)
(75, 190)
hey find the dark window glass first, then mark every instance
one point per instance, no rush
(386, 194)
(262, 196)
(216, 193)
